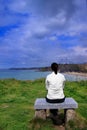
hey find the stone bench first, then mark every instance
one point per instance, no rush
(69, 105)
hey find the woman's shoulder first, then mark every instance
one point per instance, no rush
(50, 75)
(60, 74)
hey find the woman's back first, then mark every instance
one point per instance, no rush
(55, 85)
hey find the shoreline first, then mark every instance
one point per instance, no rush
(77, 73)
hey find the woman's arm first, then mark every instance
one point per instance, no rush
(47, 84)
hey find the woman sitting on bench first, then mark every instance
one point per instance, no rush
(55, 85)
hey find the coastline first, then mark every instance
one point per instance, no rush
(77, 73)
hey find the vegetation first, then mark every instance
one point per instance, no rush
(17, 105)
(68, 68)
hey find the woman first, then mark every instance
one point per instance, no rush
(55, 85)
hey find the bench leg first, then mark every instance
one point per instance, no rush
(40, 114)
(69, 114)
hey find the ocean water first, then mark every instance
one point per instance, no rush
(33, 74)
(22, 74)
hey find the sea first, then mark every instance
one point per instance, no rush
(33, 75)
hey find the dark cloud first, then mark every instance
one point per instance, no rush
(50, 8)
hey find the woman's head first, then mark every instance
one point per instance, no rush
(54, 67)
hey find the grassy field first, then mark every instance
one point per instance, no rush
(17, 105)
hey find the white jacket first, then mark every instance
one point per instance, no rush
(55, 85)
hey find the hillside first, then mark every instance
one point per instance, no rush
(68, 68)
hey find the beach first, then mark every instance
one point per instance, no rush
(77, 73)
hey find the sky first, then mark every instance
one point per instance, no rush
(35, 33)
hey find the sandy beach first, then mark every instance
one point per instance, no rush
(77, 73)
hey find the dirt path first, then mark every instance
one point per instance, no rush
(61, 127)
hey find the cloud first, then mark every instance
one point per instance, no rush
(80, 50)
(45, 31)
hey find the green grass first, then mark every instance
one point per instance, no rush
(17, 104)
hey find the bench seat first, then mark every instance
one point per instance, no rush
(41, 103)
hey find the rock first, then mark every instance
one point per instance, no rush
(40, 114)
(70, 115)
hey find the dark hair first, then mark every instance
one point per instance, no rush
(54, 67)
